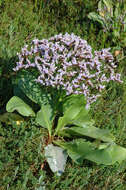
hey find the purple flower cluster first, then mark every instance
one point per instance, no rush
(67, 62)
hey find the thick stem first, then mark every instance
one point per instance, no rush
(50, 139)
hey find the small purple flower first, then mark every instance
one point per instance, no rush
(67, 62)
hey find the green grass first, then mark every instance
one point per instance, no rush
(21, 157)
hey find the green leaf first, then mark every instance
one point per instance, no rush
(18, 92)
(71, 108)
(95, 17)
(15, 103)
(73, 149)
(56, 158)
(89, 131)
(124, 24)
(84, 127)
(75, 113)
(33, 90)
(83, 118)
(73, 100)
(116, 11)
(80, 149)
(100, 5)
(45, 117)
(101, 9)
(109, 6)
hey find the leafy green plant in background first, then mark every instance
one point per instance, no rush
(71, 130)
(111, 16)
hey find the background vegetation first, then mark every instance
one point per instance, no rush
(21, 158)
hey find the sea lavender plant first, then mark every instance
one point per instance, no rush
(68, 62)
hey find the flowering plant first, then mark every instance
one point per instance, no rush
(67, 62)
(111, 16)
(63, 76)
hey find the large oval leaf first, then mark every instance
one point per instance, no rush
(80, 149)
(45, 117)
(56, 158)
(72, 106)
(86, 128)
(15, 103)
(33, 90)
(73, 101)
(90, 131)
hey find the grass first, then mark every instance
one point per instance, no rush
(21, 158)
